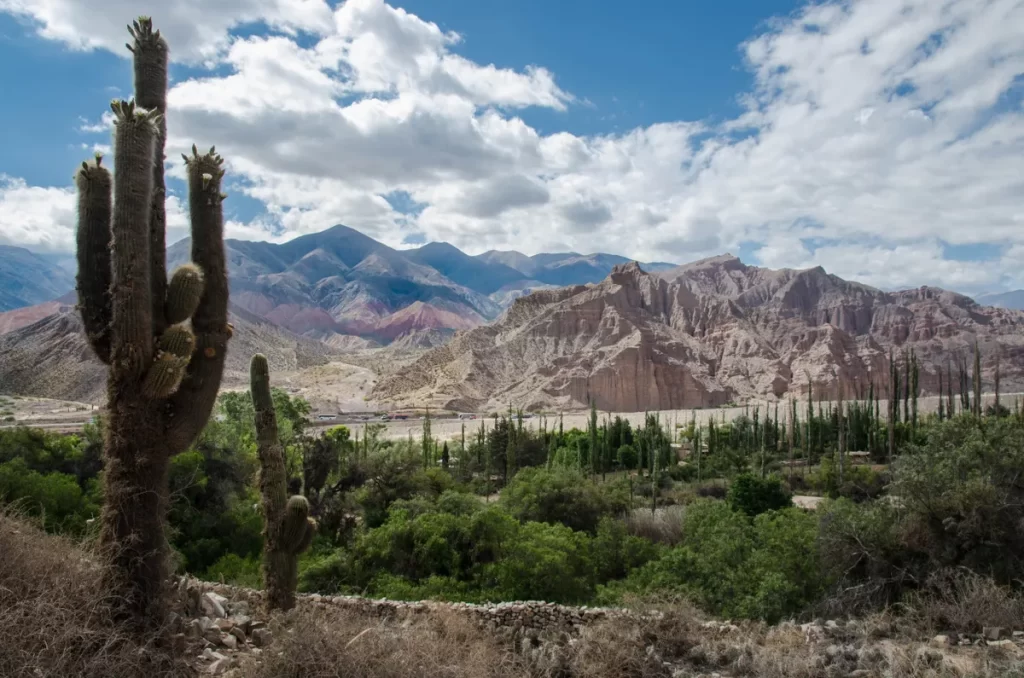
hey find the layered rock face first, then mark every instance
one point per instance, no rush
(704, 334)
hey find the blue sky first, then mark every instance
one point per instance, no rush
(879, 139)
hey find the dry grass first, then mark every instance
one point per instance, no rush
(53, 621)
(665, 526)
(962, 601)
(325, 643)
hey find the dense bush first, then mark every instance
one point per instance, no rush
(729, 565)
(453, 550)
(859, 483)
(563, 496)
(56, 498)
(753, 495)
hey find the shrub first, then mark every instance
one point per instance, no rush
(616, 552)
(963, 601)
(563, 496)
(235, 570)
(860, 483)
(863, 555)
(729, 565)
(753, 495)
(963, 500)
(545, 562)
(713, 491)
(339, 643)
(665, 526)
(55, 498)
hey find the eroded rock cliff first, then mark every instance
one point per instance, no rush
(704, 334)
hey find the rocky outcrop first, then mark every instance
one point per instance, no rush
(704, 334)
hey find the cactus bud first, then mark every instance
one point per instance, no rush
(177, 340)
(183, 293)
(164, 375)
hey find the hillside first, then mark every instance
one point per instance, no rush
(701, 335)
(27, 279)
(51, 359)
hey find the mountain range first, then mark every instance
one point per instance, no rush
(704, 334)
(1013, 299)
(349, 290)
(27, 279)
(342, 283)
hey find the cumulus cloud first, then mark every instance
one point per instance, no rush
(197, 31)
(44, 218)
(884, 129)
(35, 217)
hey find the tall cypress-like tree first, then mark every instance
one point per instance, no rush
(977, 380)
(894, 389)
(841, 437)
(871, 422)
(914, 388)
(942, 399)
(592, 431)
(906, 387)
(427, 439)
(996, 402)
(810, 418)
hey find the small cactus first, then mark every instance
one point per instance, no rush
(288, 530)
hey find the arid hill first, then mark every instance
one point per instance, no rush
(705, 334)
(27, 278)
(51, 359)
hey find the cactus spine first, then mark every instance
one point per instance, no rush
(288, 530)
(164, 343)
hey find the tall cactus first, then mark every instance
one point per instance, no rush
(164, 343)
(288, 530)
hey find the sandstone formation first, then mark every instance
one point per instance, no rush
(702, 335)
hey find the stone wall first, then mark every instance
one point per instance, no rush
(529, 619)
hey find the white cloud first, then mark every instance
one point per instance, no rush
(197, 31)
(887, 129)
(889, 267)
(44, 218)
(39, 218)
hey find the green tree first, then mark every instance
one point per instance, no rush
(754, 495)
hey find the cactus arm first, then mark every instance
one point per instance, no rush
(295, 524)
(131, 324)
(308, 532)
(273, 480)
(173, 354)
(194, 400)
(93, 252)
(150, 63)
